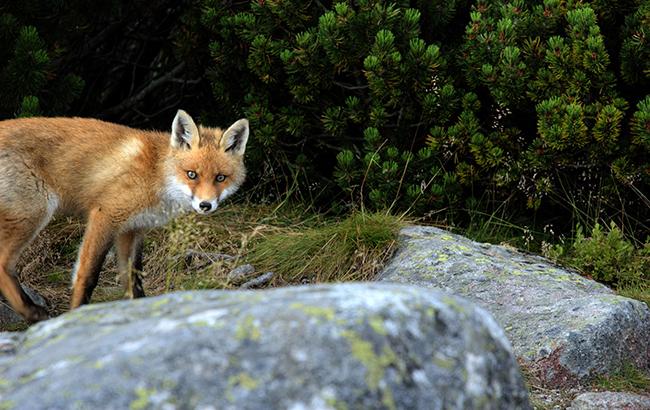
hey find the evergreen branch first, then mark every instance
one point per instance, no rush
(144, 92)
(350, 87)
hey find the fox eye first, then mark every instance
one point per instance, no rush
(221, 178)
(191, 174)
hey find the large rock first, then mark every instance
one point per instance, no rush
(568, 328)
(355, 346)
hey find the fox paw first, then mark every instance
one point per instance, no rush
(36, 313)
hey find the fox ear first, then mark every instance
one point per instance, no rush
(235, 138)
(185, 134)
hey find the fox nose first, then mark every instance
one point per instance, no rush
(205, 206)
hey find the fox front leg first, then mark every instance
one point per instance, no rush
(128, 246)
(94, 247)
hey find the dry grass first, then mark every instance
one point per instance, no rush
(352, 249)
(298, 245)
(544, 398)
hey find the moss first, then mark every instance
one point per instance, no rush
(444, 362)
(387, 399)
(376, 365)
(244, 380)
(142, 398)
(377, 324)
(453, 303)
(247, 329)
(482, 260)
(336, 404)
(315, 311)
(56, 339)
(7, 404)
(159, 303)
(443, 257)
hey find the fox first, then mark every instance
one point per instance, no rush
(122, 181)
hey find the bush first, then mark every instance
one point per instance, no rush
(344, 92)
(27, 74)
(524, 105)
(607, 256)
(538, 109)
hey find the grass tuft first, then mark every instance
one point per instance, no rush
(628, 379)
(348, 250)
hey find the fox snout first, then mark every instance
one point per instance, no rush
(204, 206)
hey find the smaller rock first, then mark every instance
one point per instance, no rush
(205, 258)
(241, 273)
(610, 400)
(261, 280)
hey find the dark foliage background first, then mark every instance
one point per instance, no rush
(537, 112)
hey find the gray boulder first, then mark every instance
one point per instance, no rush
(355, 346)
(610, 400)
(566, 327)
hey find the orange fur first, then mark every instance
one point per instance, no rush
(122, 180)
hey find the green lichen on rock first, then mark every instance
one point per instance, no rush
(142, 398)
(243, 380)
(444, 362)
(375, 364)
(543, 307)
(377, 324)
(321, 312)
(7, 405)
(345, 346)
(160, 303)
(247, 329)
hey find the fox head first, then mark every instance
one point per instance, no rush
(206, 165)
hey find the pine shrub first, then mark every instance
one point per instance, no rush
(369, 102)
(29, 84)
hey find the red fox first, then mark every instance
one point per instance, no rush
(123, 181)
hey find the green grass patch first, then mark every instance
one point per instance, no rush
(628, 379)
(58, 276)
(350, 249)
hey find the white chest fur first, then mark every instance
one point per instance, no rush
(175, 199)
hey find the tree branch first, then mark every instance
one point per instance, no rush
(144, 92)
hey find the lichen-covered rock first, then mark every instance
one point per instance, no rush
(354, 346)
(610, 400)
(567, 327)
